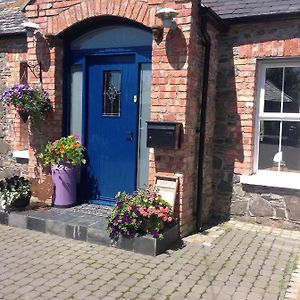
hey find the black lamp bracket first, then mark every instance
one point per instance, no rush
(35, 69)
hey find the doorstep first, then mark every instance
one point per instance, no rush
(86, 223)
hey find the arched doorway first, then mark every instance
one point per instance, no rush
(109, 104)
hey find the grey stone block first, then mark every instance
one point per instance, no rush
(150, 246)
(4, 147)
(260, 207)
(125, 243)
(36, 224)
(145, 245)
(17, 220)
(56, 227)
(280, 213)
(239, 208)
(76, 232)
(98, 236)
(3, 218)
(293, 207)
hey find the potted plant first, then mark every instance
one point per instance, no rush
(143, 212)
(15, 193)
(64, 155)
(29, 101)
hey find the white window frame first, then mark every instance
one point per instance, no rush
(268, 177)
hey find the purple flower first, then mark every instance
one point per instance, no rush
(131, 232)
(155, 234)
(116, 220)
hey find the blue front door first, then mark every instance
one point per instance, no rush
(111, 127)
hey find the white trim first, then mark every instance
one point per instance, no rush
(21, 154)
(273, 179)
(261, 115)
(294, 117)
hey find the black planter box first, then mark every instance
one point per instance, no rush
(21, 203)
(148, 245)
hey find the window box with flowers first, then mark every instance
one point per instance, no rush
(64, 156)
(143, 222)
(32, 102)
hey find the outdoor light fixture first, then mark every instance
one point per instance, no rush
(30, 28)
(35, 69)
(167, 15)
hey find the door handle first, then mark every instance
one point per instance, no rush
(130, 136)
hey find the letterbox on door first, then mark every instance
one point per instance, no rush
(163, 135)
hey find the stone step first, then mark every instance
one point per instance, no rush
(69, 223)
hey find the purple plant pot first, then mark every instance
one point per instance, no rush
(64, 179)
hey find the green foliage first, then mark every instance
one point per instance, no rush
(65, 150)
(12, 189)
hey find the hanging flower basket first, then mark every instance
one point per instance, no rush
(29, 101)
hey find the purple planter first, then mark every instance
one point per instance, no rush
(64, 179)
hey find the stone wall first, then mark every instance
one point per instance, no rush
(261, 201)
(13, 134)
(236, 107)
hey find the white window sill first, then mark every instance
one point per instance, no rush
(21, 154)
(273, 179)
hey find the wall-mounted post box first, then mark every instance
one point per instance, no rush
(163, 135)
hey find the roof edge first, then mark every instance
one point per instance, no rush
(214, 18)
(12, 34)
(264, 18)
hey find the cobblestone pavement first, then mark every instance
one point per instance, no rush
(232, 261)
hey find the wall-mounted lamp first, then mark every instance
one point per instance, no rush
(35, 69)
(30, 28)
(167, 15)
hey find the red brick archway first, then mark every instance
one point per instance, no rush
(137, 11)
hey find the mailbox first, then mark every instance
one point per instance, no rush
(163, 135)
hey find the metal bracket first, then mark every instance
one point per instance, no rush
(35, 69)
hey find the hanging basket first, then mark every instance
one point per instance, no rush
(24, 115)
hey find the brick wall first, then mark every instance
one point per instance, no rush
(175, 80)
(236, 102)
(13, 132)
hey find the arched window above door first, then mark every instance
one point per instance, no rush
(116, 36)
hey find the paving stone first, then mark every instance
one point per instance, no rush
(49, 267)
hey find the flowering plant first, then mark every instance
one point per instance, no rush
(65, 150)
(28, 100)
(13, 189)
(142, 212)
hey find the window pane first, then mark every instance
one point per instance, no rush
(76, 100)
(291, 146)
(145, 90)
(269, 145)
(273, 89)
(112, 93)
(291, 96)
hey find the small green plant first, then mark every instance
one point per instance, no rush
(139, 213)
(28, 101)
(13, 189)
(65, 150)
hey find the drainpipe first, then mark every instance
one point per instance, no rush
(206, 42)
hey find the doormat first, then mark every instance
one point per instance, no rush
(92, 209)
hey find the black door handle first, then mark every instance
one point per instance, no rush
(131, 136)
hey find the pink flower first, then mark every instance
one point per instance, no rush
(165, 219)
(170, 219)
